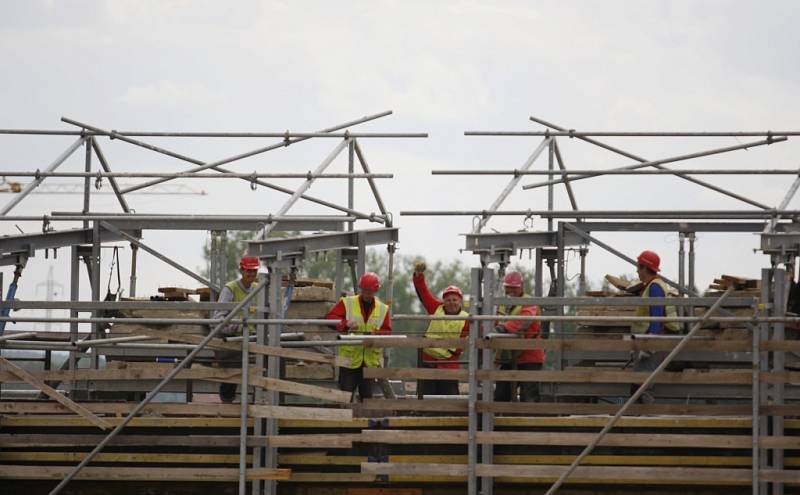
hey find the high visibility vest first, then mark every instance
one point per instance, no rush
(360, 355)
(238, 296)
(506, 355)
(641, 327)
(443, 329)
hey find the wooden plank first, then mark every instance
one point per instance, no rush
(331, 478)
(58, 440)
(441, 405)
(137, 373)
(589, 375)
(607, 474)
(415, 374)
(596, 460)
(266, 350)
(319, 460)
(651, 440)
(76, 457)
(562, 408)
(317, 441)
(117, 408)
(585, 344)
(295, 412)
(118, 473)
(138, 422)
(334, 395)
(268, 474)
(790, 477)
(54, 394)
(356, 423)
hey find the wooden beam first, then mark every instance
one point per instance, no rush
(586, 375)
(295, 412)
(266, 350)
(584, 474)
(329, 441)
(117, 473)
(40, 440)
(330, 394)
(54, 394)
(563, 408)
(651, 440)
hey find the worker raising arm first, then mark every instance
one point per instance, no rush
(440, 357)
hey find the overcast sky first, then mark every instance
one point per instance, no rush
(443, 68)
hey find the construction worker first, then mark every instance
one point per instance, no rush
(648, 264)
(440, 357)
(235, 291)
(361, 314)
(528, 359)
(647, 267)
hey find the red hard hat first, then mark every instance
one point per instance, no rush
(370, 281)
(453, 289)
(513, 279)
(650, 260)
(249, 263)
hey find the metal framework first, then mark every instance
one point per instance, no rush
(779, 240)
(278, 256)
(568, 230)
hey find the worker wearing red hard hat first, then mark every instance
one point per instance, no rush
(440, 357)
(648, 264)
(528, 359)
(361, 314)
(235, 291)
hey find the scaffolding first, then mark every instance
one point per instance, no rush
(759, 394)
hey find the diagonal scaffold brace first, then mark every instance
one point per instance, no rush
(642, 388)
(151, 395)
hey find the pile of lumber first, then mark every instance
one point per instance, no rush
(312, 299)
(743, 287)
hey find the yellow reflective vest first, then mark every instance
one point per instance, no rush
(238, 296)
(444, 329)
(641, 327)
(359, 355)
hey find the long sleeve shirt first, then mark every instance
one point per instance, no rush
(529, 330)
(656, 327)
(431, 303)
(339, 312)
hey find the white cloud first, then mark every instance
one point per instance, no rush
(169, 94)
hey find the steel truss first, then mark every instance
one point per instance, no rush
(99, 228)
(574, 230)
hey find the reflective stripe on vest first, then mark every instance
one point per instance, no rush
(443, 329)
(640, 327)
(358, 354)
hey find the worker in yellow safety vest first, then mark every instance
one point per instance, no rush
(233, 292)
(440, 357)
(648, 264)
(361, 314)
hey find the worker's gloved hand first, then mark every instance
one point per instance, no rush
(500, 329)
(419, 267)
(350, 324)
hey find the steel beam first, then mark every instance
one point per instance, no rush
(273, 249)
(514, 241)
(30, 243)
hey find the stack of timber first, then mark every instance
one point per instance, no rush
(171, 444)
(743, 287)
(311, 299)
